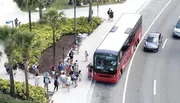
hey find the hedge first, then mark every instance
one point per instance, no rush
(8, 99)
(44, 33)
(36, 94)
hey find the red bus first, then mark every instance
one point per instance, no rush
(114, 52)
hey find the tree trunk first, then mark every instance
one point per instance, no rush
(26, 75)
(75, 23)
(40, 12)
(30, 25)
(12, 91)
(90, 11)
(54, 45)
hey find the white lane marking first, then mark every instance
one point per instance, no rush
(127, 76)
(154, 87)
(164, 43)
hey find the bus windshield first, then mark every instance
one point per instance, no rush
(106, 62)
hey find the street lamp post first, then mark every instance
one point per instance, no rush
(97, 8)
(74, 21)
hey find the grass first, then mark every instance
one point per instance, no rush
(63, 4)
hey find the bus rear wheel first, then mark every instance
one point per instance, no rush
(136, 44)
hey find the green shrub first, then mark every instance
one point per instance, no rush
(8, 99)
(36, 94)
(44, 33)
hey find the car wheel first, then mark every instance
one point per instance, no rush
(157, 49)
(144, 49)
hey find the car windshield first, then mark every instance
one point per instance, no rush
(152, 39)
(105, 62)
(178, 25)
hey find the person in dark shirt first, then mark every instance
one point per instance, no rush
(71, 57)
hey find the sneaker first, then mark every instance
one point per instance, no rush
(75, 86)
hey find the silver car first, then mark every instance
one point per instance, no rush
(176, 31)
(153, 42)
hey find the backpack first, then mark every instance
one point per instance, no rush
(55, 82)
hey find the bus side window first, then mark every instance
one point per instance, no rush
(126, 45)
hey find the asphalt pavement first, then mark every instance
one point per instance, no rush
(81, 94)
(154, 77)
(145, 65)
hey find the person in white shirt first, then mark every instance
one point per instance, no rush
(68, 82)
(37, 80)
(63, 79)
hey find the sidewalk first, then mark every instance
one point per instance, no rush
(80, 93)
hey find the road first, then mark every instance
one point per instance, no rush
(153, 77)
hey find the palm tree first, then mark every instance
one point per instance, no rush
(35, 3)
(53, 18)
(6, 39)
(90, 11)
(23, 41)
(41, 4)
(27, 4)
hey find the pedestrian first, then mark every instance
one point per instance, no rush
(71, 57)
(77, 64)
(46, 81)
(63, 79)
(37, 80)
(37, 70)
(108, 12)
(74, 79)
(80, 75)
(56, 83)
(68, 69)
(60, 66)
(34, 67)
(16, 22)
(111, 15)
(14, 68)
(68, 82)
(78, 47)
(86, 56)
(75, 67)
(6, 67)
(52, 68)
(90, 69)
(19, 24)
